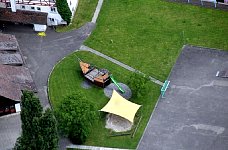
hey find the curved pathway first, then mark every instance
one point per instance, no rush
(42, 53)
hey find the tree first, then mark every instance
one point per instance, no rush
(34, 131)
(48, 128)
(64, 10)
(138, 84)
(76, 117)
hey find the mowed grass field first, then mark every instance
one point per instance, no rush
(66, 79)
(149, 34)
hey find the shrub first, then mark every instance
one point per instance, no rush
(138, 84)
(76, 117)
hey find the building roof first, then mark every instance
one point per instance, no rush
(8, 42)
(7, 38)
(9, 50)
(21, 16)
(10, 90)
(13, 80)
(11, 59)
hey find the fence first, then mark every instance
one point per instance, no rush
(206, 3)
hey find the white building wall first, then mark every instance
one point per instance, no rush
(73, 4)
(53, 17)
(2, 5)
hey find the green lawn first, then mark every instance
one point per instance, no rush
(84, 14)
(149, 34)
(66, 78)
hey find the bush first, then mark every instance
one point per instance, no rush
(138, 84)
(64, 10)
(76, 117)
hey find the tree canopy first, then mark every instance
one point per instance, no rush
(138, 84)
(76, 117)
(64, 10)
(39, 130)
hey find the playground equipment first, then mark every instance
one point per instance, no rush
(114, 81)
(99, 77)
(164, 88)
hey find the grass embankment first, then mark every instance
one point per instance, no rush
(149, 34)
(84, 14)
(66, 78)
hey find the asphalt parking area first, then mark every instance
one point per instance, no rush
(10, 127)
(193, 116)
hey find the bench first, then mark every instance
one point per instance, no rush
(164, 88)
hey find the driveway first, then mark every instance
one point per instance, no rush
(193, 116)
(10, 128)
(40, 54)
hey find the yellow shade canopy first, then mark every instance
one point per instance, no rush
(120, 106)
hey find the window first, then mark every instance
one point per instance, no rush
(38, 8)
(52, 19)
(33, 8)
(8, 4)
(53, 9)
(23, 7)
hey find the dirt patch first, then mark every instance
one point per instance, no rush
(117, 123)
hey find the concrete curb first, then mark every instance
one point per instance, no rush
(93, 147)
(10, 115)
(50, 76)
(97, 11)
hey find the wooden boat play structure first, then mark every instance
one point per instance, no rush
(100, 77)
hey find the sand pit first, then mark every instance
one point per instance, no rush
(117, 123)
